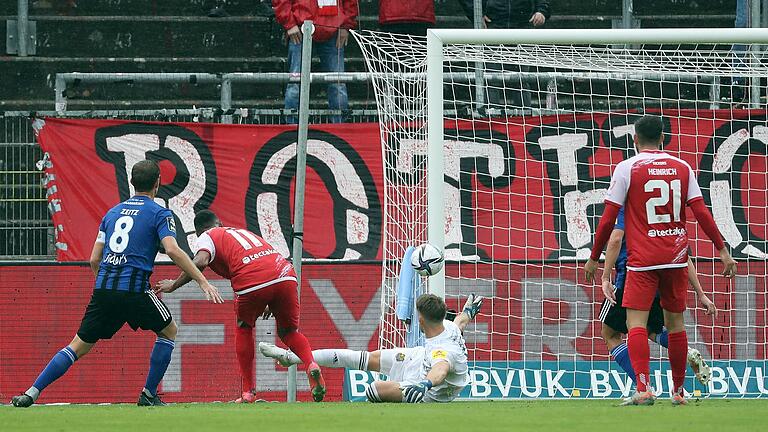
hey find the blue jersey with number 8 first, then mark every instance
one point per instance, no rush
(131, 232)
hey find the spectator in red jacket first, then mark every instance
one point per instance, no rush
(332, 19)
(412, 17)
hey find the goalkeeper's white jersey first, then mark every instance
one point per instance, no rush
(448, 346)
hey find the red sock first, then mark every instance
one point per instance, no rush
(640, 356)
(244, 346)
(678, 357)
(299, 344)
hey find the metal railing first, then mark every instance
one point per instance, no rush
(26, 230)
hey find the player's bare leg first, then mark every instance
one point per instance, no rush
(678, 353)
(637, 340)
(384, 391)
(56, 368)
(611, 337)
(80, 347)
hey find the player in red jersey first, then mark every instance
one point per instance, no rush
(654, 187)
(260, 277)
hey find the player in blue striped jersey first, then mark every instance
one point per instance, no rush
(614, 316)
(123, 257)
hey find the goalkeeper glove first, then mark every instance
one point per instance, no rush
(472, 306)
(414, 393)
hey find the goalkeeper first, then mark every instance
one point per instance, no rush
(435, 372)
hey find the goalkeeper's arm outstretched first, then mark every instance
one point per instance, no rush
(436, 372)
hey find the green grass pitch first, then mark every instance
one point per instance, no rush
(572, 416)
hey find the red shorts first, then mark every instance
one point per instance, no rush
(283, 302)
(641, 287)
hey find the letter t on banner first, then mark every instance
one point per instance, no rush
(301, 172)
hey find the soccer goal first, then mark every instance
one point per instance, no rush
(498, 147)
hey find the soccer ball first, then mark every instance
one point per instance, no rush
(427, 260)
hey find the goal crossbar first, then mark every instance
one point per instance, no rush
(599, 36)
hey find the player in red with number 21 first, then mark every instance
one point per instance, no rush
(260, 277)
(653, 186)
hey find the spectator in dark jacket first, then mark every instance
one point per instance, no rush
(332, 19)
(412, 17)
(503, 14)
(509, 14)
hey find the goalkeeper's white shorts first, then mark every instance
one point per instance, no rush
(406, 366)
(403, 364)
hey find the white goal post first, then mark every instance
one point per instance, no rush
(497, 147)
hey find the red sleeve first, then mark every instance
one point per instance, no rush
(707, 222)
(350, 8)
(284, 13)
(604, 228)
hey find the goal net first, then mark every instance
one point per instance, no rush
(510, 181)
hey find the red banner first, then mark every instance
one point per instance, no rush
(522, 189)
(243, 173)
(538, 312)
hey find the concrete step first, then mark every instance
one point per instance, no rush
(684, 7)
(238, 37)
(367, 7)
(131, 7)
(120, 36)
(184, 7)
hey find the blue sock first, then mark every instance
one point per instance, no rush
(663, 338)
(57, 367)
(158, 363)
(621, 357)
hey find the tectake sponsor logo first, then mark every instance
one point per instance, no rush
(254, 257)
(667, 232)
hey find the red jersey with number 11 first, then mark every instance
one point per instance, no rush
(654, 188)
(244, 258)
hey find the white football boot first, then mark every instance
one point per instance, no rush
(700, 367)
(644, 398)
(283, 356)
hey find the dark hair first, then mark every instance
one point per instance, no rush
(649, 130)
(144, 175)
(204, 220)
(431, 307)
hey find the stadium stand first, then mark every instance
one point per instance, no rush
(178, 36)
